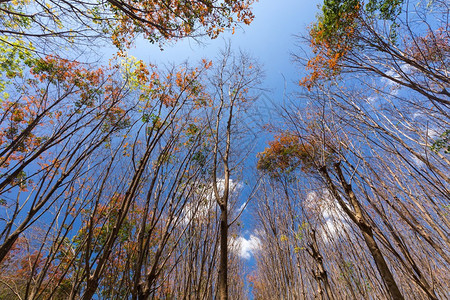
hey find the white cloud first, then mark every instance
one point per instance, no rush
(393, 74)
(242, 207)
(397, 74)
(235, 187)
(245, 248)
(334, 217)
(372, 99)
(205, 204)
(432, 133)
(417, 161)
(335, 220)
(418, 115)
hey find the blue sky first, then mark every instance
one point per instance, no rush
(270, 39)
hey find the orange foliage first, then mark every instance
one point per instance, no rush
(158, 20)
(434, 47)
(330, 46)
(288, 152)
(70, 74)
(183, 82)
(23, 264)
(285, 154)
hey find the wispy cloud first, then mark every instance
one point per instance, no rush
(245, 248)
(242, 207)
(206, 203)
(333, 215)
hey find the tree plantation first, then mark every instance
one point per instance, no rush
(122, 178)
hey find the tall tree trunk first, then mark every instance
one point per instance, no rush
(223, 259)
(380, 262)
(91, 288)
(357, 216)
(321, 273)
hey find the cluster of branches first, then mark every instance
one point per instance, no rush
(120, 20)
(356, 199)
(116, 181)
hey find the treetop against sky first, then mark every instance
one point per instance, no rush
(225, 149)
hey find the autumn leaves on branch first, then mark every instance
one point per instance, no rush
(118, 178)
(106, 167)
(368, 173)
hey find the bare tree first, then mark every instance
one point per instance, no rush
(232, 86)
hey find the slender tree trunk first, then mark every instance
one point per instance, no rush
(223, 259)
(321, 273)
(92, 286)
(380, 262)
(357, 216)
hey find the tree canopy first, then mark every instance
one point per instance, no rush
(125, 179)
